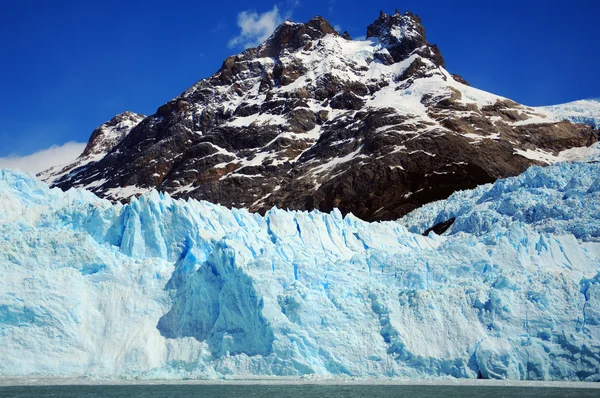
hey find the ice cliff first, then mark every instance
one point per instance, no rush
(164, 288)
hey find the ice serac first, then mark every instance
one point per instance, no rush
(165, 288)
(313, 120)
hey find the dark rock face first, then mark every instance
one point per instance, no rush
(108, 135)
(403, 35)
(441, 227)
(313, 120)
(291, 36)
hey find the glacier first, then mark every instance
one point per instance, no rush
(582, 111)
(170, 289)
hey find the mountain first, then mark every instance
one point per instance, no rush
(173, 289)
(311, 119)
(107, 136)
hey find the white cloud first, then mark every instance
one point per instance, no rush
(255, 28)
(44, 159)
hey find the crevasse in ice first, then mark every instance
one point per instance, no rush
(164, 288)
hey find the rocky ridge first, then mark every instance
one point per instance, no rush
(103, 139)
(312, 119)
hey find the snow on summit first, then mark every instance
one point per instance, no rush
(164, 288)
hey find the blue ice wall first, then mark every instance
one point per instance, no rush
(164, 288)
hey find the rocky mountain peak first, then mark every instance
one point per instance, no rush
(291, 36)
(109, 134)
(287, 38)
(311, 119)
(102, 141)
(403, 35)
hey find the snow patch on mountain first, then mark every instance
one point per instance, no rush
(583, 112)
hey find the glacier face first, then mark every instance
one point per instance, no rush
(582, 111)
(164, 288)
(558, 200)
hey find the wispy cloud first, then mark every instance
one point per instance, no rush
(331, 4)
(255, 28)
(44, 159)
(219, 27)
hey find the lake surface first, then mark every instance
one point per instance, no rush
(292, 391)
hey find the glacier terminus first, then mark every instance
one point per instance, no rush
(171, 289)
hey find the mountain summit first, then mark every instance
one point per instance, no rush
(402, 35)
(312, 119)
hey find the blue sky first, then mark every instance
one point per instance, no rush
(68, 66)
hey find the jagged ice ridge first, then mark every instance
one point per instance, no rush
(164, 288)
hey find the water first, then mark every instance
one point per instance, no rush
(293, 391)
